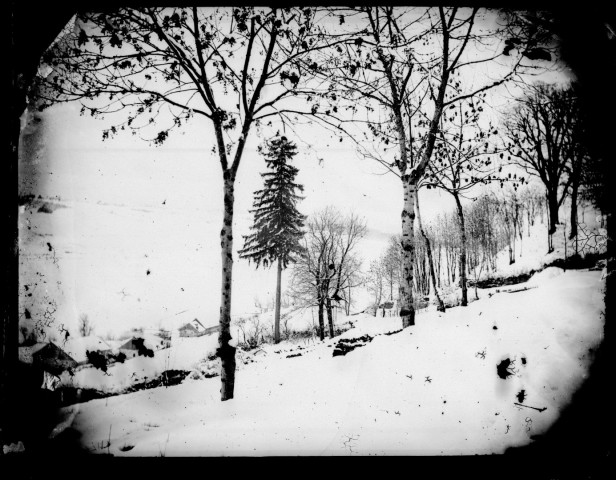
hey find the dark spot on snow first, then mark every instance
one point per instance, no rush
(147, 272)
(521, 396)
(494, 327)
(391, 333)
(49, 246)
(27, 313)
(294, 355)
(503, 368)
(523, 360)
(346, 345)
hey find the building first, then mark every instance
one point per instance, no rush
(48, 357)
(192, 329)
(79, 347)
(389, 308)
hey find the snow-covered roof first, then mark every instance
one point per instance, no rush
(196, 324)
(26, 353)
(77, 347)
(151, 340)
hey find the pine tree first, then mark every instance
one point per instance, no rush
(277, 225)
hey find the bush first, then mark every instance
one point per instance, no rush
(97, 359)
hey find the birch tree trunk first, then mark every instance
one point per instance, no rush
(226, 352)
(407, 308)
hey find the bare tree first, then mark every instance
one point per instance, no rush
(329, 264)
(403, 66)
(541, 129)
(533, 199)
(85, 326)
(235, 68)
(440, 306)
(375, 282)
(465, 156)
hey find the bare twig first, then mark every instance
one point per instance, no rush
(534, 408)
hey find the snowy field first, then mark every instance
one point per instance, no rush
(431, 389)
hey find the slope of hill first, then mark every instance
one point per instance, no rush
(473, 380)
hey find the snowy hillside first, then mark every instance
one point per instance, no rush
(473, 380)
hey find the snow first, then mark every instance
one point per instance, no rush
(185, 353)
(544, 275)
(77, 347)
(430, 389)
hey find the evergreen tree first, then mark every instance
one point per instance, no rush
(277, 225)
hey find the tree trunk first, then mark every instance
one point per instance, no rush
(321, 321)
(330, 318)
(440, 305)
(574, 209)
(462, 251)
(407, 309)
(553, 210)
(348, 303)
(277, 306)
(225, 351)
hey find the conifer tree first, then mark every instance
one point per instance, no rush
(277, 225)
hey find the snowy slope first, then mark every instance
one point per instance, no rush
(430, 389)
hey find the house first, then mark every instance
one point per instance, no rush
(142, 345)
(389, 308)
(48, 357)
(79, 347)
(192, 329)
(162, 339)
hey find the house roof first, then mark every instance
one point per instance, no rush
(77, 347)
(48, 355)
(26, 353)
(149, 341)
(195, 325)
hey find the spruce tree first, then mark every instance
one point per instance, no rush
(277, 225)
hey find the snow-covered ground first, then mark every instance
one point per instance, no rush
(184, 354)
(429, 389)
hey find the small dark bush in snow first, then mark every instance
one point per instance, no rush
(503, 368)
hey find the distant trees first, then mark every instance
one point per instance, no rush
(375, 282)
(430, 257)
(277, 226)
(544, 139)
(465, 156)
(328, 265)
(509, 211)
(85, 326)
(404, 67)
